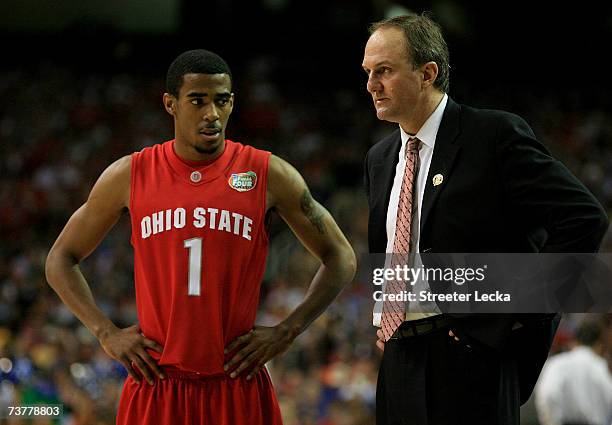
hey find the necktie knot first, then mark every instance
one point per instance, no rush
(413, 145)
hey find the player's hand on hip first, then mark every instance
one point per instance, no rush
(128, 346)
(254, 349)
(380, 343)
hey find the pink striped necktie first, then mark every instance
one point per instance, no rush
(394, 312)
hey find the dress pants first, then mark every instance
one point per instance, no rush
(431, 379)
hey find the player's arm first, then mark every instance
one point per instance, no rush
(318, 232)
(108, 199)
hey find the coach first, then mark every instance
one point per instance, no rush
(453, 178)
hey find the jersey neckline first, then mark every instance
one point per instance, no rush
(198, 173)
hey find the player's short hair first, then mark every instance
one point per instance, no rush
(425, 43)
(198, 61)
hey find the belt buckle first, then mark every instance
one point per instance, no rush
(415, 329)
(402, 332)
(398, 334)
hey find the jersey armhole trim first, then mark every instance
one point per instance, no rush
(131, 201)
(266, 162)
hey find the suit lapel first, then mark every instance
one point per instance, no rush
(382, 174)
(444, 154)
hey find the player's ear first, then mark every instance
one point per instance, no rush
(169, 103)
(231, 103)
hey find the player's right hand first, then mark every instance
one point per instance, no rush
(381, 340)
(128, 346)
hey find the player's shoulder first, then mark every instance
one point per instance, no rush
(243, 155)
(117, 175)
(281, 173)
(244, 149)
(278, 167)
(155, 149)
(284, 182)
(120, 167)
(113, 185)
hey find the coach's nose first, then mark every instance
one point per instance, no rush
(373, 85)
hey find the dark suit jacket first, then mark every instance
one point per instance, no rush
(502, 192)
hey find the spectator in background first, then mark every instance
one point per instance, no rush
(575, 387)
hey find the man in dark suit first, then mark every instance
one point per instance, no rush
(457, 179)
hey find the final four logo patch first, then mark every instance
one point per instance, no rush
(243, 182)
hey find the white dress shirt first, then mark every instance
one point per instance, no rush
(427, 135)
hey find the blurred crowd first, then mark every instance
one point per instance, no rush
(60, 128)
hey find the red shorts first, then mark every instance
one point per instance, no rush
(185, 398)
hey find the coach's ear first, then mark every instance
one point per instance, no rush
(430, 73)
(169, 103)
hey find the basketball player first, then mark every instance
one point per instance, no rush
(198, 206)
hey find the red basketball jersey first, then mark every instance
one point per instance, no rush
(200, 247)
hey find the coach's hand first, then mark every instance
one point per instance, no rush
(127, 346)
(380, 343)
(257, 347)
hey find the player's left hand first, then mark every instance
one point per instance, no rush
(257, 347)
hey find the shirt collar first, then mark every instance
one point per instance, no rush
(428, 131)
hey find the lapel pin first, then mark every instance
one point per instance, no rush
(437, 179)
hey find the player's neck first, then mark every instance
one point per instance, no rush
(190, 155)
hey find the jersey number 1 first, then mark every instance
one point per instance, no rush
(195, 265)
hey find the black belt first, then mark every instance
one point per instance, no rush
(420, 327)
